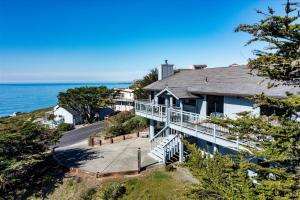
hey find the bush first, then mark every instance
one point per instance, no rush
(117, 130)
(65, 127)
(135, 123)
(113, 191)
(121, 117)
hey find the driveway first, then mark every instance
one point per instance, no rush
(80, 134)
(116, 157)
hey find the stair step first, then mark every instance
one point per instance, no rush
(155, 157)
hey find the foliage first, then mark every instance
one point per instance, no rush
(276, 138)
(219, 177)
(135, 123)
(123, 123)
(23, 144)
(65, 127)
(86, 100)
(281, 58)
(121, 117)
(113, 191)
(117, 130)
(138, 85)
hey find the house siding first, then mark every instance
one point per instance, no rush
(233, 105)
(68, 117)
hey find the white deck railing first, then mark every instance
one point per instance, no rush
(190, 121)
(149, 108)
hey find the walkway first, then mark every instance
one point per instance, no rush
(121, 156)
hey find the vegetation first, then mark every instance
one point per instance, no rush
(138, 85)
(155, 184)
(124, 123)
(65, 127)
(23, 147)
(275, 159)
(86, 100)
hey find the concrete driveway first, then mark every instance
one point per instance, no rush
(116, 157)
(80, 134)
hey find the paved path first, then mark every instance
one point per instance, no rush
(116, 157)
(80, 134)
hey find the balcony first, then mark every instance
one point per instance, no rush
(192, 124)
(151, 111)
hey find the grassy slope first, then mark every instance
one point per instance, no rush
(157, 184)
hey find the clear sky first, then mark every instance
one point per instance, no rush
(119, 40)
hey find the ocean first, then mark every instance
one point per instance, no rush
(26, 97)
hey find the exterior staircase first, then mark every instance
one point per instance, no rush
(165, 146)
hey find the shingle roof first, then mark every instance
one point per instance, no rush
(231, 81)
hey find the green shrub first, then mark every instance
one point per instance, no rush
(135, 123)
(113, 191)
(117, 130)
(121, 117)
(65, 127)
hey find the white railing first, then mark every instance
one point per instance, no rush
(171, 148)
(149, 108)
(159, 137)
(191, 121)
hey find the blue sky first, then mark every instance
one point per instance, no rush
(119, 40)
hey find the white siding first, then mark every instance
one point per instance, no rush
(202, 106)
(233, 105)
(68, 117)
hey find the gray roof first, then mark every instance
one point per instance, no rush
(227, 81)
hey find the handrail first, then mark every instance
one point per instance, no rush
(189, 120)
(161, 131)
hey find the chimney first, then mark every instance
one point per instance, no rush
(165, 70)
(197, 67)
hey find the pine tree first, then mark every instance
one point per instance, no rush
(274, 153)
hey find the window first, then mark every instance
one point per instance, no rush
(190, 102)
(215, 104)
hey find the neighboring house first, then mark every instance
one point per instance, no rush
(66, 115)
(181, 100)
(124, 100)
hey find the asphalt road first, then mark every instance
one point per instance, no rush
(77, 135)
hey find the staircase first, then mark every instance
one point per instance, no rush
(165, 146)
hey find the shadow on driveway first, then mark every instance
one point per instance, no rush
(74, 157)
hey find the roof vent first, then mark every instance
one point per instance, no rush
(197, 67)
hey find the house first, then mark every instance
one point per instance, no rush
(66, 115)
(124, 100)
(181, 100)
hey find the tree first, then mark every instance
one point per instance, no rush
(281, 58)
(138, 85)
(23, 146)
(277, 151)
(86, 100)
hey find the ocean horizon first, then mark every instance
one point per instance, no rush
(26, 97)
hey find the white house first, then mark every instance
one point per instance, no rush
(66, 115)
(124, 100)
(181, 100)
